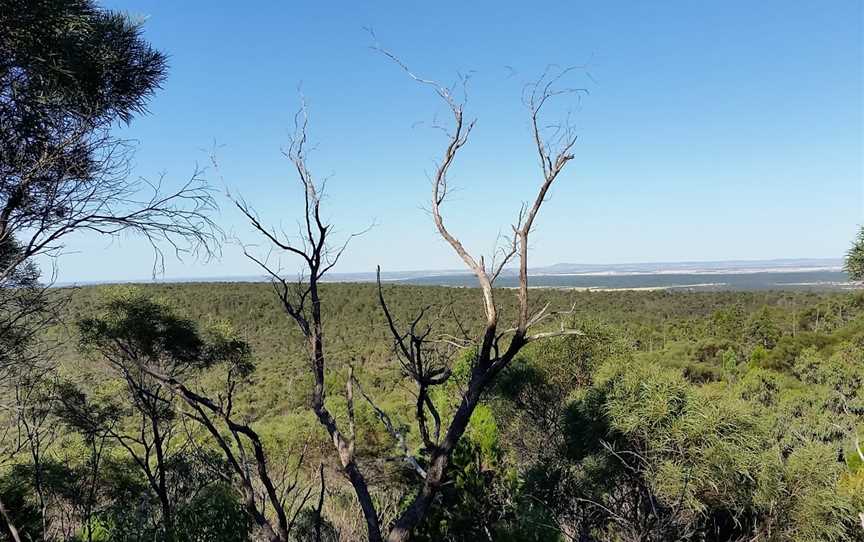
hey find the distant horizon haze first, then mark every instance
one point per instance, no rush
(776, 265)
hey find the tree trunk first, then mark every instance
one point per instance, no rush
(416, 512)
(162, 489)
(7, 520)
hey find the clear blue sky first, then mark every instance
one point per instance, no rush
(714, 130)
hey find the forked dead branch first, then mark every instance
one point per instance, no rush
(424, 358)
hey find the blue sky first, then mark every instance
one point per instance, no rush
(713, 130)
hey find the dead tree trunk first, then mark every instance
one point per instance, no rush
(496, 347)
(421, 358)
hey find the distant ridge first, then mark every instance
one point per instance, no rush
(706, 267)
(561, 270)
(652, 268)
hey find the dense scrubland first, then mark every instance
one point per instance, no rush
(698, 416)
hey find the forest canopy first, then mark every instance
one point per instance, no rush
(669, 418)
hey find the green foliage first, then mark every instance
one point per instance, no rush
(484, 498)
(729, 322)
(78, 59)
(854, 262)
(759, 356)
(753, 453)
(729, 360)
(146, 331)
(17, 496)
(789, 348)
(816, 511)
(215, 514)
(305, 528)
(761, 329)
(653, 404)
(143, 342)
(70, 72)
(96, 530)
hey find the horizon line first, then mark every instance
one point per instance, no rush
(836, 265)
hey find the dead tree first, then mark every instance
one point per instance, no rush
(497, 346)
(301, 300)
(420, 354)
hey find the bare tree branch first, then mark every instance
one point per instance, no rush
(490, 358)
